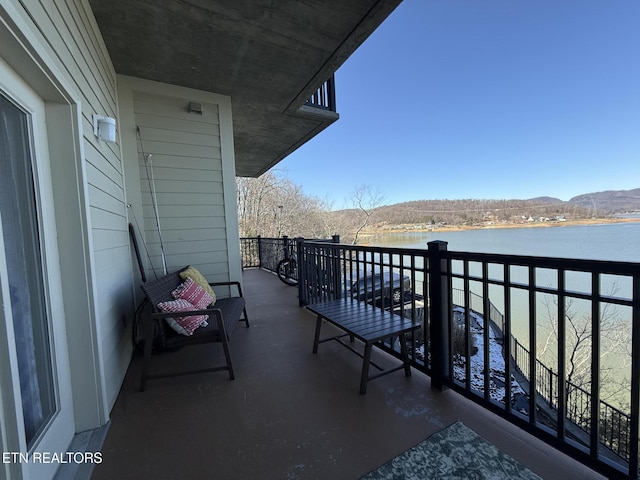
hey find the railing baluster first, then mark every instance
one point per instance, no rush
(467, 325)
(506, 336)
(532, 346)
(595, 367)
(486, 313)
(562, 345)
(635, 379)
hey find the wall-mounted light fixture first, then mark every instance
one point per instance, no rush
(195, 107)
(104, 128)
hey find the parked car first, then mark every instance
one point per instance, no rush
(373, 287)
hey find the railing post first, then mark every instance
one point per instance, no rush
(303, 275)
(285, 243)
(439, 306)
(331, 93)
(259, 251)
(336, 270)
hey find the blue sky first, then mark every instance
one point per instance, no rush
(484, 99)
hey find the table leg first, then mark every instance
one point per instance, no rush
(405, 355)
(316, 339)
(366, 360)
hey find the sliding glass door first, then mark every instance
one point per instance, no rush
(24, 264)
(31, 272)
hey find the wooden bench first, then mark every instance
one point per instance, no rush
(368, 324)
(224, 316)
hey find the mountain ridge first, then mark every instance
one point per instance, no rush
(472, 212)
(610, 201)
(606, 201)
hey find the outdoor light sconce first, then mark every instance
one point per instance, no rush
(195, 107)
(104, 128)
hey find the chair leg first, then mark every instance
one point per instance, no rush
(246, 317)
(225, 346)
(148, 347)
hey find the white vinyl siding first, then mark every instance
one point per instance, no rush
(75, 38)
(65, 32)
(186, 171)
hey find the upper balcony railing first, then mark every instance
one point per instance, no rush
(558, 315)
(324, 97)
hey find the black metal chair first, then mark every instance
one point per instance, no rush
(224, 316)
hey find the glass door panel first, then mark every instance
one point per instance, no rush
(21, 241)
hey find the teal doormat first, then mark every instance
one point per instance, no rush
(456, 452)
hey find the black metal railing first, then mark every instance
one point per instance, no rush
(615, 423)
(519, 285)
(445, 290)
(324, 97)
(266, 252)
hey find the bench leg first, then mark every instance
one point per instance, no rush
(316, 339)
(366, 361)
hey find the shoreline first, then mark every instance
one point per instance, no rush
(369, 232)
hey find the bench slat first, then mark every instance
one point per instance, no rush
(364, 321)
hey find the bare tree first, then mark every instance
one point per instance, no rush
(271, 205)
(256, 204)
(614, 339)
(366, 201)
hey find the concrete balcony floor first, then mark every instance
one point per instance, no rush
(290, 414)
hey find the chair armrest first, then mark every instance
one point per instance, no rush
(187, 313)
(227, 284)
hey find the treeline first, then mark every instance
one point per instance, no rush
(472, 212)
(272, 206)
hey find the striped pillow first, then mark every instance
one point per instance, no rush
(193, 293)
(197, 277)
(188, 323)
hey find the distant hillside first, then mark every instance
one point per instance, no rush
(610, 201)
(473, 212)
(545, 200)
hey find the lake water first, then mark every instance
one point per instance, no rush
(614, 242)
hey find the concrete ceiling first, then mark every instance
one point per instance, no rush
(268, 55)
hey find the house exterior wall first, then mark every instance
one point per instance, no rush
(56, 48)
(180, 165)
